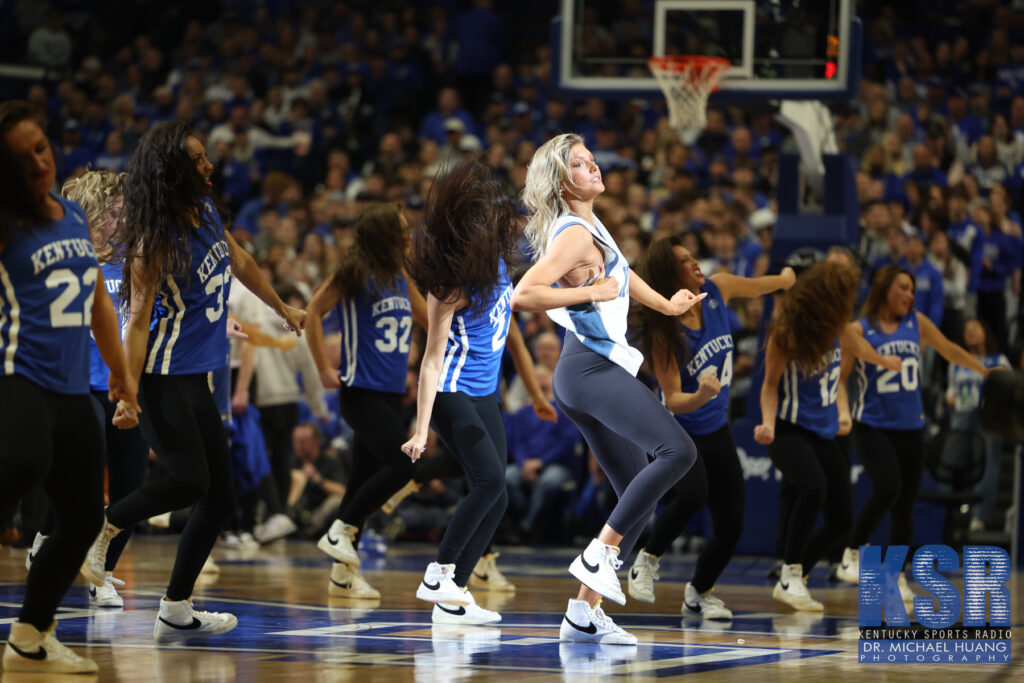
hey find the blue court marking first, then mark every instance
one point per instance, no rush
(358, 636)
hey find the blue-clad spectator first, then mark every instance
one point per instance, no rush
(923, 170)
(73, 154)
(448, 106)
(928, 292)
(547, 459)
(995, 265)
(1010, 76)
(967, 127)
(113, 157)
(987, 169)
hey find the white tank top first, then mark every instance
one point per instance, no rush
(601, 326)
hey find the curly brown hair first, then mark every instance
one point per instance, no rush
(878, 295)
(471, 225)
(812, 314)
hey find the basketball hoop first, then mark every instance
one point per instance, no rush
(687, 80)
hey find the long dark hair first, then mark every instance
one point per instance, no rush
(163, 198)
(660, 333)
(878, 295)
(469, 227)
(378, 253)
(19, 207)
(812, 314)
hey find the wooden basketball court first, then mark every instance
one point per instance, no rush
(290, 630)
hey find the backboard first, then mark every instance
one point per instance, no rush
(779, 49)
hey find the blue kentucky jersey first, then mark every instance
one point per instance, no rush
(476, 341)
(99, 374)
(891, 399)
(188, 333)
(965, 385)
(711, 351)
(375, 328)
(47, 283)
(810, 401)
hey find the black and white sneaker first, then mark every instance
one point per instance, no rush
(849, 569)
(471, 614)
(705, 606)
(338, 543)
(37, 543)
(178, 621)
(595, 567)
(438, 585)
(585, 624)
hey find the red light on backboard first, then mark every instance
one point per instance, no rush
(830, 70)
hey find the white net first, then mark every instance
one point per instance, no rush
(687, 81)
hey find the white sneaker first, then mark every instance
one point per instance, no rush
(486, 576)
(106, 595)
(706, 606)
(275, 527)
(347, 582)
(595, 567)
(470, 615)
(792, 590)
(162, 521)
(438, 585)
(642, 577)
(849, 568)
(94, 567)
(337, 543)
(410, 488)
(178, 621)
(31, 651)
(585, 624)
(37, 543)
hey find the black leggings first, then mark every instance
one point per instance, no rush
(622, 421)
(472, 429)
(820, 474)
(894, 461)
(181, 422)
(127, 456)
(51, 440)
(278, 422)
(716, 478)
(379, 467)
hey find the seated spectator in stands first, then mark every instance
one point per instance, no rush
(987, 169)
(435, 124)
(923, 170)
(546, 459)
(896, 242)
(928, 297)
(875, 222)
(967, 128)
(113, 157)
(996, 261)
(73, 155)
(1009, 147)
(316, 480)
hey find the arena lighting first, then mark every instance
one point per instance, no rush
(1002, 405)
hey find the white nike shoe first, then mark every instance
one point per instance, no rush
(849, 568)
(438, 585)
(595, 567)
(792, 590)
(178, 621)
(275, 527)
(487, 577)
(642, 577)
(585, 624)
(347, 582)
(470, 615)
(31, 651)
(106, 595)
(93, 569)
(37, 543)
(338, 543)
(706, 606)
